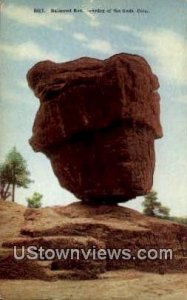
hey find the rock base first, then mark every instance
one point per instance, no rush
(81, 226)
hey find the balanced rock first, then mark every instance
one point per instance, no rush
(97, 123)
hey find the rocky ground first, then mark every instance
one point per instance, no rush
(82, 226)
(126, 285)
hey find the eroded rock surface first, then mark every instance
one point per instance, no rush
(97, 123)
(85, 226)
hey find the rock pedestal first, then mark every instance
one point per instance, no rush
(106, 228)
(97, 123)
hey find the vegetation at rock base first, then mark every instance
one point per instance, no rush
(181, 220)
(35, 200)
(152, 207)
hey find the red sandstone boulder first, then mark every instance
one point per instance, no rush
(97, 123)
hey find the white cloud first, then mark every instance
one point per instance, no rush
(8, 95)
(92, 19)
(125, 28)
(97, 45)
(26, 16)
(80, 36)
(22, 84)
(11, 98)
(167, 47)
(100, 46)
(27, 51)
(182, 99)
(94, 22)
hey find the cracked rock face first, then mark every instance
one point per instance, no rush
(97, 123)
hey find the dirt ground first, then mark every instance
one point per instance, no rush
(126, 285)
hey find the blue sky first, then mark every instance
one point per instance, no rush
(159, 35)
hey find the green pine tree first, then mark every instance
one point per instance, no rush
(13, 173)
(152, 207)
